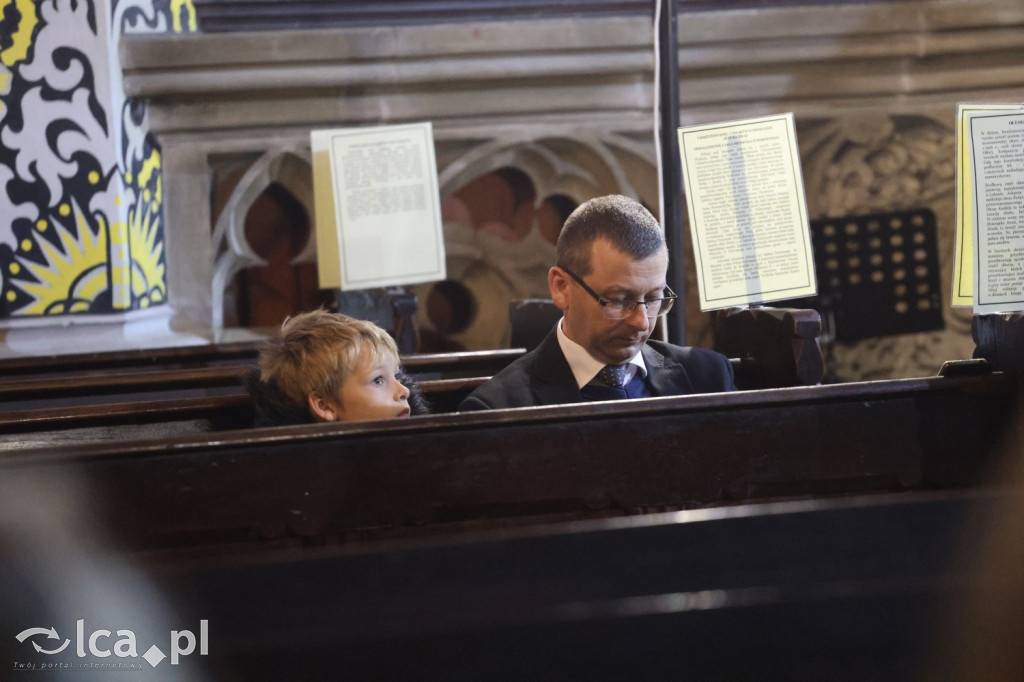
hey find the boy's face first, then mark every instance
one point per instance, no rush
(372, 391)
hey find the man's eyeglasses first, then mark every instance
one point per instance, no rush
(619, 310)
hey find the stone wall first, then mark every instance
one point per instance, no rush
(566, 107)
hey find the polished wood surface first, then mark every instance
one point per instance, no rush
(774, 346)
(161, 413)
(25, 366)
(103, 398)
(999, 339)
(315, 484)
(175, 391)
(97, 374)
(848, 589)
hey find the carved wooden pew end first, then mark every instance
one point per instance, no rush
(775, 347)
(999, 338)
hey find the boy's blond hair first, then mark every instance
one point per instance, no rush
(318, 350)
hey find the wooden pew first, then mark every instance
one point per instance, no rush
(161, 414)
(123, 418)
(27, 366)
(293, 486)
(775, 348)
(103, 396)
(159, 404)
(54, 386)
(84, 388)
(128, 403)
(769, 348)
(999, 339)
(772, 347)
(846, 589)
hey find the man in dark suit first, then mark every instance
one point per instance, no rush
(609, 282)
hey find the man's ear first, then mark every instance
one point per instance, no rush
(558, 285)
(322, 409)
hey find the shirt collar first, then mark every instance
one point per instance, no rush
(583, 365)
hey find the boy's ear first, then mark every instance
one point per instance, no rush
(322, 410)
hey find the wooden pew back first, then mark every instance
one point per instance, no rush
(29, 366)
(86, 405)
(53, 385)
(334, 483)
(841, 589)
(163, 414)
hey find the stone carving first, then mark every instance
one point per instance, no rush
(504, 201)
(876, 163)
(288, 166)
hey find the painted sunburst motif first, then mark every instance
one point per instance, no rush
(100, 249)
(145, 236)
(147, 248)
(74, 274)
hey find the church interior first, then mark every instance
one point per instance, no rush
(848, 514)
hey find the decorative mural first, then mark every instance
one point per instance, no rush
(80, 181)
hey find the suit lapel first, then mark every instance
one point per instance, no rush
(552, 381)
(665, 376)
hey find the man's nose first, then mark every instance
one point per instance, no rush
(638, 318)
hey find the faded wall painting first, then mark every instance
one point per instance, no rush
(80, 180)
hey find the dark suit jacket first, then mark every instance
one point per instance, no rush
(543, 376)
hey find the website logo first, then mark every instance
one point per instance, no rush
(104, 644)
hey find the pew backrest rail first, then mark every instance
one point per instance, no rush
(336, 482)
(96, 385)
(182, 411)
(243, 352)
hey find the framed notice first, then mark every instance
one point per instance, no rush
(748, 212)
(962, 289)
(995, 139)
(378, 215)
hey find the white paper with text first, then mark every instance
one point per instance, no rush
(996, 142)
(386, 207)
(748, 212)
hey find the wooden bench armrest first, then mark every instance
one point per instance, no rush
(776, 347)
(999, 338)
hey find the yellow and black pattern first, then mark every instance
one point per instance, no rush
(80, 180)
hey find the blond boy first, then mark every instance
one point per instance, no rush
(330, 367)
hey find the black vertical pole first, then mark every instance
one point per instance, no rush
(671, 174)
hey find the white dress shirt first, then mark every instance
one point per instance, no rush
(583, 365)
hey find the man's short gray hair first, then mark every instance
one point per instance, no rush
(624, 222)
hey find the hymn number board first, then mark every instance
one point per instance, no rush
(878, 274)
